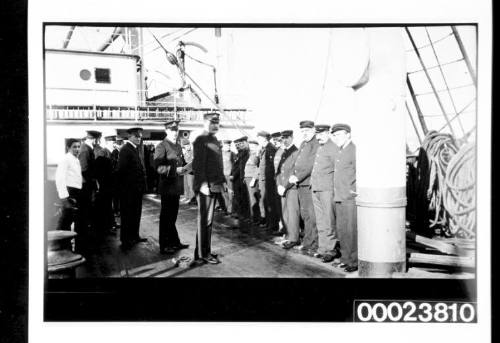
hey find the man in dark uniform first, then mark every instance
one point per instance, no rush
(169, 162)
(238, 176)
(228, 158)
(344, 196)
(301, 178)
(267, 182)
(276, 139)
(104, 177)
(117, 144)
(131, 177)
(208, 180)
(251, 182)
(288, 192)
(322, 176)
(85, 215)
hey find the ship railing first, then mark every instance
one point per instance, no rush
(55, 113)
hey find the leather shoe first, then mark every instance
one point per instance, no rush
(351, 269)
(181, 246)
(141, 240)
(211, 260)
(288, 245)
(318, 255)
(328, 258)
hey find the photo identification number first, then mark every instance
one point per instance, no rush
(414, 311)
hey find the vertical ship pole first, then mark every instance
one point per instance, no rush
(381, 156)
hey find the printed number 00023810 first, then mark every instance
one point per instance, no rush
(414, 311)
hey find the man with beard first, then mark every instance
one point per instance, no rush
(169, 162)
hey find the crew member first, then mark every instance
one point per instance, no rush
(69, 184)
(344, 196)
(131, 176)
(251, 182)
(322, 176)
(288, 192)
(301, 178)
(169, 162)
(208, 180)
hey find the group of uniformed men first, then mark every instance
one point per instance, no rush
(306, 194)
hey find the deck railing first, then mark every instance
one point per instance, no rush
(55, 113)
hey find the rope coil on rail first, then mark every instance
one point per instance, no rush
(440, 148)
(459, 196)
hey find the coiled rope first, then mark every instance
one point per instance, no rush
(440, 148)
(459, 196)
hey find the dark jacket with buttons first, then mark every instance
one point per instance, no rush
(170, 154)
(130, 171)
(207, 161)
(322, 174)
(285, 166)
(345, 174)
(266, 163)
(304, 163)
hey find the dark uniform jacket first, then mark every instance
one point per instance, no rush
(252, 165)
(103, 167)
(87, 159)
(322, 174)
(130, 171)
(304, 162)
(345, 174)
(238, 171)
(169, 154)
(277, 159)
(266, 163)
(285, 166)
(207, 161)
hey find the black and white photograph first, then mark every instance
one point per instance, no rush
(225, 170)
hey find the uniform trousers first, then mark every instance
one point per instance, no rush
(347, 231)
(168, 236)
(206, 206)
(291, 215)
(310, 240)
(243, 200)
(131, 209)
(228, 196)
(254, 197)
(324, 210)
(69, 215)
(105, 218)
(268, 203)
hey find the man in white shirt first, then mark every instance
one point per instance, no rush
(69, 183)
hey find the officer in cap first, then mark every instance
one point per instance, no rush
(169, 162)
(208, 181)
(288, 192)
(86, 216)
(240, 199)
(301, 179)
(267, 183)
(322, 177)
(131, 177)
(344, 184)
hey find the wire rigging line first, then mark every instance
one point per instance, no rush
(445, 82)
(173, 39)
(325, 75)
(172, 59)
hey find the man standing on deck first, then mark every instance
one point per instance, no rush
(169, 162)
(208, 181)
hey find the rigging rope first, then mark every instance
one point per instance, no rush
(459, 194)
